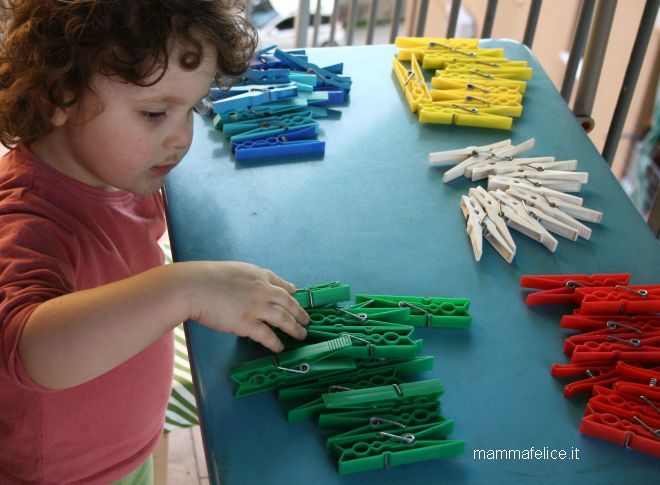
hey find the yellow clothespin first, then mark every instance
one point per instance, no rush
(473, 80)
(411, 42)
(457, 114)
(438, 60)
(412, 82)
(510, 69)
(510, 105)
(493, 94)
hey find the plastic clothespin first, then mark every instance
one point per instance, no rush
(596, 322)
(612, 418)
(425, 312)
(288, 367)
(503, 183)
(292, 143)
(495, 95)
(324, 75)
(592, 374)
(460, 154)
(519, 219)
(323, 294)
(510, 69)
(265, 76)
(255, 96)
(357, 417)
(560, 289)
(283, 106)
(506, 152)
(631, 336)
(633, 373)
(618, 299)
(489, 229)
(350, 314)
(411, 42)
(462, 48)
(381, 449)
(634, 349)
(505, 105)
(435, 59)
(465, 115)
(272, 125)
(412, 84)
(474, 81)
(382, 396)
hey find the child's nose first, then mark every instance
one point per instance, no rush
(180, 138)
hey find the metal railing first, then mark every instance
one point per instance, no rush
(590, 40)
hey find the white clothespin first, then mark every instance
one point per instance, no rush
(559, 185)
(558, 175)
(545, 163)
(536, 200)
(492, 233)
(551, 223)
(454, 156)
(496, 182)
(473, 217)
(521, 221)
(576, 210)
(482, 170)
(490, 205)
(503, 153)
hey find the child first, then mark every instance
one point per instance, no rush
(97, 98)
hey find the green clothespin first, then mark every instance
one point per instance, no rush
(321, 295)
(379, 421)
(328, 316)
(291, 367)
(373, 374)
(382, 449)
(358, 417)
(425, 312)
(373, 342)
(382, 396)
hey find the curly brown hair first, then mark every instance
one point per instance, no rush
(50, 49)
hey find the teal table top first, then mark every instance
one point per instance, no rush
(372, 214)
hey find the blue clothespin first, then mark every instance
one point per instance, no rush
(303, 77)
(259, 112)
(288, 143)
(254, 97)
(335, 97)
(265, 76)
(326, 77)
(273, 125)
(335, 68)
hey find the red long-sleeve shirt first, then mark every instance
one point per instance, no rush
(58, 236)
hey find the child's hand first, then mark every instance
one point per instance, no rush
(244, 299)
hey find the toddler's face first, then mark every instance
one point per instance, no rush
(141, 133)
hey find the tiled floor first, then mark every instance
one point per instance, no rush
(186, 464)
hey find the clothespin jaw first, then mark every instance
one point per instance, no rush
(592, 374)
(288, 367)
(412, 83)
(618, 299)
(424, 312)
(323, 294)
(380, 449)
(560, 289)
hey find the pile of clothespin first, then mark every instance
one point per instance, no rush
(273, 108)
(530, 195)
(616, 358)
(350, 374)
(471, 86)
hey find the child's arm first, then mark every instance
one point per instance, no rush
(73, 338)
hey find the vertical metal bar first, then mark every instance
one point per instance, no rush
(371, 24)
(630, 79)
(352, 20)
(421, 18)
(396, 19)
(317, 24)
(333, 22)
(489, 19)
(593, 62)
(302, 23)
(453, 18)
(577, 49)
(532, 20)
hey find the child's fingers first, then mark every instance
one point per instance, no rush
(277, 281)
(263, 334)
(278, 317)
(290, 304)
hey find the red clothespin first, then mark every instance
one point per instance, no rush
(641, 349)
(612, 417)
(622, 332)
(618, 299)
(594, 322)
(559, 289)
(593, 374)
(634, 373)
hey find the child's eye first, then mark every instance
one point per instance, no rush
(153, 116)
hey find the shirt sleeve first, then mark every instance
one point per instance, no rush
(37, 259)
